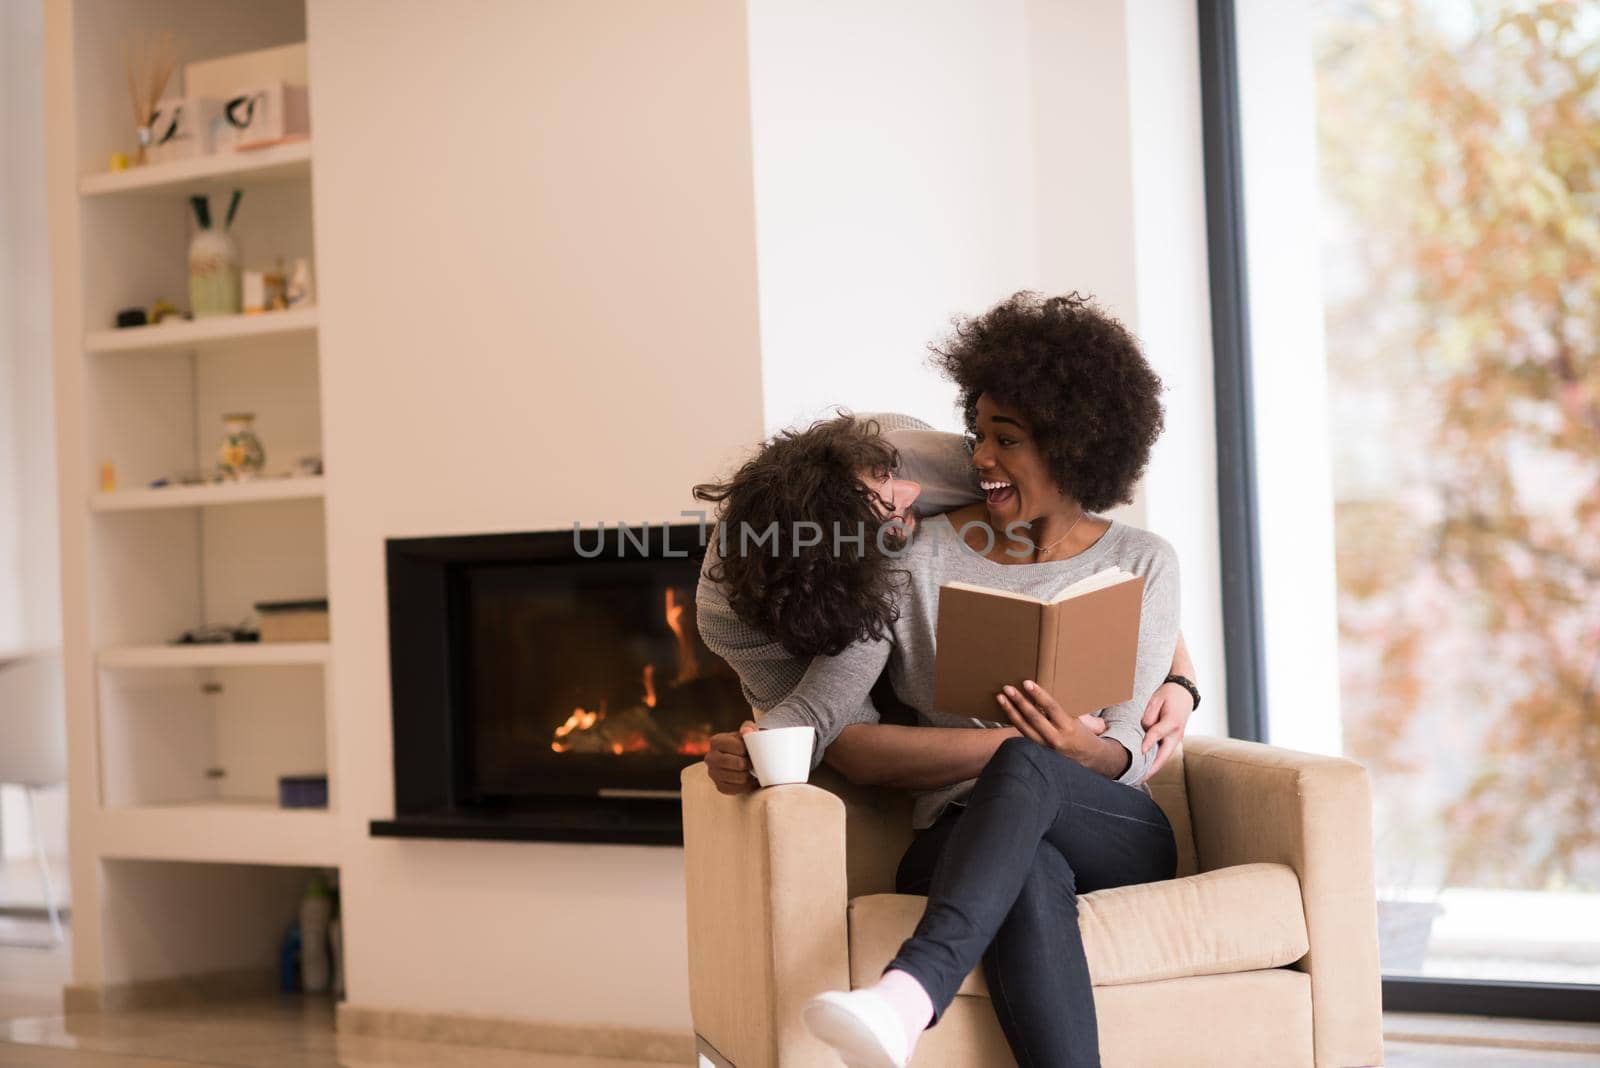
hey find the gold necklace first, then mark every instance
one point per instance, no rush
(1041, 549)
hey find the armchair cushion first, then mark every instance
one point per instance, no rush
(1235, 919)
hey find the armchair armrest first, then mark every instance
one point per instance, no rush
(1251, 803)
(767, 907)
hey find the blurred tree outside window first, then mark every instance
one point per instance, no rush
(1459, 150)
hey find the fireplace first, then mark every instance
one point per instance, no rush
(550, 685)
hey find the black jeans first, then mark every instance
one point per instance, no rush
(1003, 875)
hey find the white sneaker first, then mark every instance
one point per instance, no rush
(860, 1026)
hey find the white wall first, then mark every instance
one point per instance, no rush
(894, 189)
(30, 601)
(30, 597)
(1294, 481)
(16, 26)
(536, 249)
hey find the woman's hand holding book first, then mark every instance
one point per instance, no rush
(1034, 712)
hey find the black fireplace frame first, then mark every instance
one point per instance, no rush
(430, 746)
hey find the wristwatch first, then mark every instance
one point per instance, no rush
(1194, 691)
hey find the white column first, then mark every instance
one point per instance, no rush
(1121, 174)
(1294, 483)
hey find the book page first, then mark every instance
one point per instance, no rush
(1100, 580)
(972, 587)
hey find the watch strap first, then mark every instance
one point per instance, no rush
(1187, 684)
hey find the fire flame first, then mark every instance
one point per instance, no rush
(688, 658)
(580, 720)
(696, 743)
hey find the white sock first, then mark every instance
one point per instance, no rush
(911, 1003)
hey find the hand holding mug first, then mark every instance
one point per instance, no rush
(728, 760)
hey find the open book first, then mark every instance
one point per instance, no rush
(1080, 645)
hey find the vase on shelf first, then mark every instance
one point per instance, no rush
(214, 287)
(241, 456)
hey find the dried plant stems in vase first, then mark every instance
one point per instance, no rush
(214, 284)
(149, 60)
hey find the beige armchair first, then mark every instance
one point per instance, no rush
(1263, 951)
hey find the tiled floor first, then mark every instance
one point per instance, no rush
(1416, 1055)
(1418, 1040)
(288, 1033)
(30, 979)
(298, 1033)
(275, 1033)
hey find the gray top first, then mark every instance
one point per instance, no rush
(938, 555)
(830, 693)
(775, 681)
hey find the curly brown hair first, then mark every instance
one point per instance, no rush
(811, 598)
(1077, 375)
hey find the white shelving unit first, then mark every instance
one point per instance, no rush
(175, 751)
(275, 489)
(211, 335)
(221, 832)
(225, 654)
(280, 163)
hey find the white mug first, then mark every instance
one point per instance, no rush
(781, 755)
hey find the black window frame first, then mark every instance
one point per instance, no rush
(1238, 514)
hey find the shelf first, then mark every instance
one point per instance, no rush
(265, 489)
(204, 174)
(221, 654)
(238, 832)
(213, 333)
(9, 653)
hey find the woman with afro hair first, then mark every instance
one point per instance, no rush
(1061, 410)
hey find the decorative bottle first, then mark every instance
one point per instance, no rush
(241, 456)
(316, 908)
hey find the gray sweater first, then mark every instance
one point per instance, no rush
(830, 693)
(773, 679)
(938, 555)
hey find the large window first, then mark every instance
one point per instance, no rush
(1420, 187)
